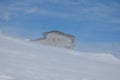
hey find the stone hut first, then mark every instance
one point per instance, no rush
(58, 39)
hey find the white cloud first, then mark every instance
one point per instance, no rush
(32, 10)
(102, 47)
(74, 9)
(13, 31)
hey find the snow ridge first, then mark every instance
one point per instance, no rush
(23, 60)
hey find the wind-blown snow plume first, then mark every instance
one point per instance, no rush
(22, 60)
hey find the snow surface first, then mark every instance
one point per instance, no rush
(22, 60)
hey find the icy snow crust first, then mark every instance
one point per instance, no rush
(22, 60)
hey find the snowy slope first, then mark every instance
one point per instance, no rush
(22, 60)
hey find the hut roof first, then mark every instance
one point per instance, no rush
(59, 33)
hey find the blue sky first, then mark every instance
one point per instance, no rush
(95, 23)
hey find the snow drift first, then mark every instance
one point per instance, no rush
(22, 60)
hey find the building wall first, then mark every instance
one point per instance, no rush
(57, 40)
